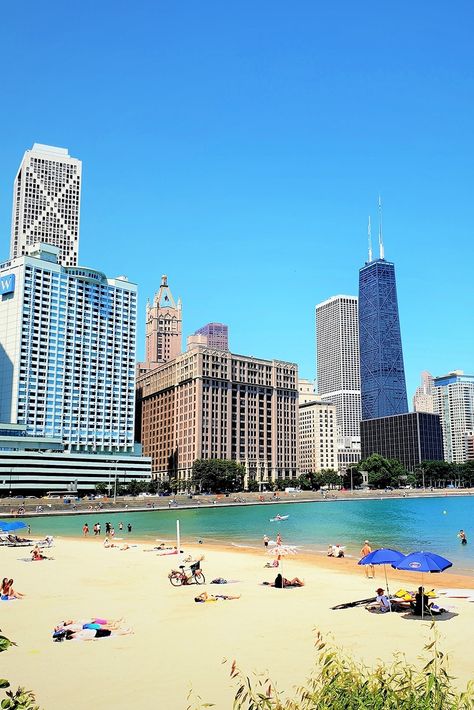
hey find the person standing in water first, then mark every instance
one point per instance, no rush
(462, 537)
(265, 540)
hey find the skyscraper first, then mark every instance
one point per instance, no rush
(423, 397)
(382, 374)
(69, 338)
(337, 355)
(317, 437)
(217, 335)
(46, 203)
(163, 326)
(453, 396)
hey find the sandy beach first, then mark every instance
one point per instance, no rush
(178, 647)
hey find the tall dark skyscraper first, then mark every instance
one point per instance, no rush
(382, 375)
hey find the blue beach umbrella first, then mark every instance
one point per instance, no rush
(383, 556)
(6, 526)
(423, 562)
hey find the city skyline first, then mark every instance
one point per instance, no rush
(259, 177)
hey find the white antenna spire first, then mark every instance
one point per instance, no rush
(369, 234)
(381, 249)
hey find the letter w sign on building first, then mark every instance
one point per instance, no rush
(7, 284)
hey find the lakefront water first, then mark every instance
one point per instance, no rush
(406, 524)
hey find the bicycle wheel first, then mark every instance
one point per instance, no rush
(175, 579)
(199, 577)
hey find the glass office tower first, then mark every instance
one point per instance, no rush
(382, 375)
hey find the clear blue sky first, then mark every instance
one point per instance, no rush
(239, 148)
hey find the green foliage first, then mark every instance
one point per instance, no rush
(339, 683)
(218, 476)
(20, 699)
(355, 480)
(314, 481)
(101, 488)
(441, 473)
(253, 486)
(383, 472)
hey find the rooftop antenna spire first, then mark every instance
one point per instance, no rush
(369, 234)
(381, 249)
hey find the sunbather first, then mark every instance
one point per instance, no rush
(93, 623)
(281, 582)
(7, 592)
(37, 555)
(381, 602)
(88, 634)
(205, 597)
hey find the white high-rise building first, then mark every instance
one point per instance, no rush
(338, 368)
(423, 397)
(67, 355)
(453, 396)
(317, 437)
(46, 203)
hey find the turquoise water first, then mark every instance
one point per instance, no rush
(406, 524)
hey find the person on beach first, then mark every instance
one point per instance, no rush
(112, 532)
(462, 537)
(88, 634)
(7, 592)
(37, 555)
(422, 605)
(85, 530)
(368, 568)
(120, 526)
(381, 602)
(129, 528)
(266, 540)
(281, 582)
(93, 623)
(279, 541)
(98, 528)
(107, 528)
(205, 597)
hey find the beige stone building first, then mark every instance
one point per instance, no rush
(317, 437)
(211, 404)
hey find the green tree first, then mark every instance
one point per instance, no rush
(218, 476)
(352, 476)
(383, 472)
(306, 481)
(253, 486)
(101, 488)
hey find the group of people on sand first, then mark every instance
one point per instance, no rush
(7, 592)
(89, 629)
(419, 603)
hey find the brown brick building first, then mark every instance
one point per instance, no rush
(208, 404)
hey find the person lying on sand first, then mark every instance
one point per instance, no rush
(281, 582)
(205, 597)
(94, 623)
(37, 555)
(88, 634)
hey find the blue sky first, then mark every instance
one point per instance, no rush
(239, 148)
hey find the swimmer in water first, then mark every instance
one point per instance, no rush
(462, 537)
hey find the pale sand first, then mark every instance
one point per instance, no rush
(179, 645)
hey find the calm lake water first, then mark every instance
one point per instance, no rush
(406, 524)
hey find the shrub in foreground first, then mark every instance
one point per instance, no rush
(340, 683)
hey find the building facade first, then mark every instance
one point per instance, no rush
(423, 397)
(411, 438)
(38, 464)
(317, 437)
(67, 356)
(338, 368)
(209, 404)
(217, 335)
(307, 392)
(382, 373)
(453, 396)
(46, 203)
(163, 327)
